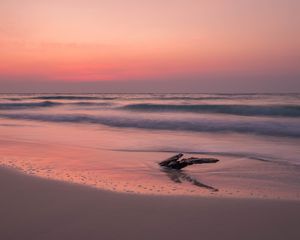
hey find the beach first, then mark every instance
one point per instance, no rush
(35, 208)
(87, 166)
(114, 142)
(149, 120)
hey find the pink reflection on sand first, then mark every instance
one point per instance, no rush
(85, 156)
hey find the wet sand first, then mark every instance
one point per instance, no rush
(127, 161)
(35, 208)
(139, 172)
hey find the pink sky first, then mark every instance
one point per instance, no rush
(77, 41)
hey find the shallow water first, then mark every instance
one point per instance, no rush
(114, 141)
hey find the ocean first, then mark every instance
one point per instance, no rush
(114, 141)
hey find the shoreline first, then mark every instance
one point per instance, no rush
(212, 194)
(36, 208)
(138, 194)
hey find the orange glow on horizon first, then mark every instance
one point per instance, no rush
(111, 40)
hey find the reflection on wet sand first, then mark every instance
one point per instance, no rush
(178, 176)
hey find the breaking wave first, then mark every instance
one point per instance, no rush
(92, 103)
(11, 106)
(28, 105)
(242, 110)
(59, 97)
(261, 127)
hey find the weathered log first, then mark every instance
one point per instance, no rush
(175, 162)
(171, 159)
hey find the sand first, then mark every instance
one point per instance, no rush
(38, 209)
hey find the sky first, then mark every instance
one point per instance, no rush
(150, 46)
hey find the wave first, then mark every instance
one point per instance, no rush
(11, 106)
(150, 96)
(242, 110)
(179, 98)
(265, 127)
(91, 103)
(14, 99)
(59, 97)
(119, 98)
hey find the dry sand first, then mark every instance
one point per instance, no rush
(38, 209)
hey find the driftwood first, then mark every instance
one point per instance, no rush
(175, 162)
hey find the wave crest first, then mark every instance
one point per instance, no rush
(60, 97)
(262, 127)
(11, 106)
(242, 110)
